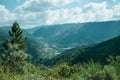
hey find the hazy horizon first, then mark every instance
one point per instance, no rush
(46, 25)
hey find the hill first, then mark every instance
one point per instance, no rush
(77, 34)
(97, 53)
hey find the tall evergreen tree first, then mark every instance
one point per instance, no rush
(14, 55)
(16, 34)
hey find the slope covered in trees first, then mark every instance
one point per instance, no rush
(97, 52)
(77, 34)
(15, 64)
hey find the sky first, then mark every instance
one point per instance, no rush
(32, 13)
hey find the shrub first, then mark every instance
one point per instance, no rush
(110, 73)
(64, 70)
(92, 71)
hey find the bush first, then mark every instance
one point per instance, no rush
(92, 71)
(110, 73)
(64, 70)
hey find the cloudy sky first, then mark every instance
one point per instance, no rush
(31, 13)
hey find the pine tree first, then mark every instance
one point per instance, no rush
(16, 33)
(14, 55)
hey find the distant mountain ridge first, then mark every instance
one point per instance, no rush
(77, 34)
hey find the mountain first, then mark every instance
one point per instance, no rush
(37, 48)
(44, 41)
(77, 34)
(97, 52)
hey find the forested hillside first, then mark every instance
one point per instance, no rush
(94, 62)
(77, 34)
(97, 52)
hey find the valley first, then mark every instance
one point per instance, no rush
(83, 51)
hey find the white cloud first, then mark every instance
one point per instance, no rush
(115, 12)
(35, 12)
(5, 15)
(64, 16)
(90, 13)
(42, 5)
(41, 11)
(96, 11)
(31, 19)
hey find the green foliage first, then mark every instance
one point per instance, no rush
(110, 73)
(115, 63)
(17, 38)
(87, 71)
(92, 71)
(64, 70)
(14, 55)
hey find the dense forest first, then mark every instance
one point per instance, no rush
(100, 61)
